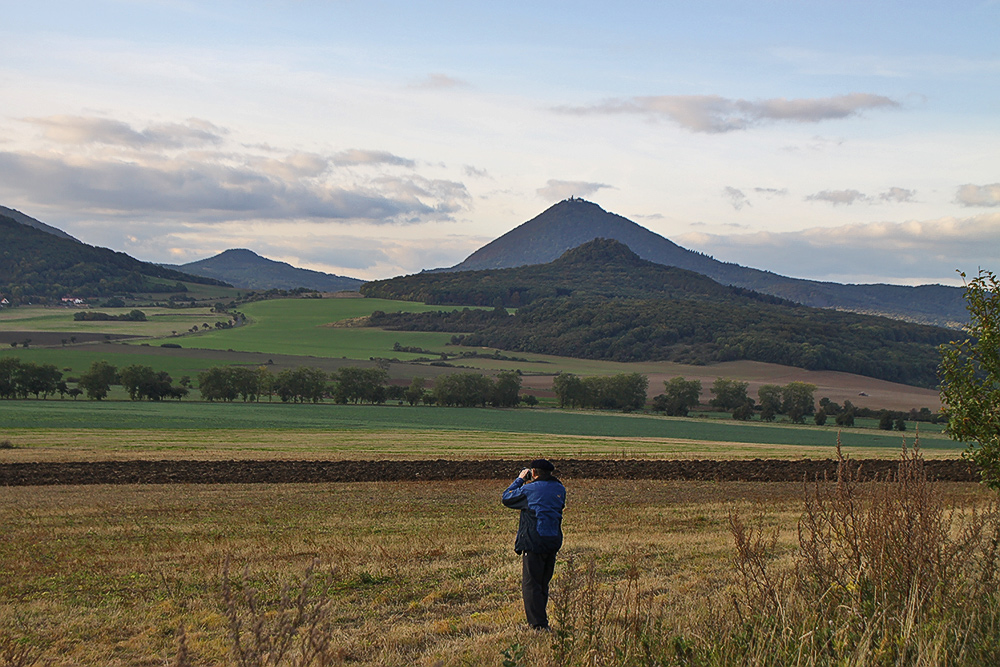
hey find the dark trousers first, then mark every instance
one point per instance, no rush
(536, 572)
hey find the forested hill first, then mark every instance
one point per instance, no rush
(599, 268)
(244, 268)
(17, 216)
(575, 221)
(600, 301)
(35, 264)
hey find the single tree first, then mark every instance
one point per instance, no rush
(769, 396)
(970, 378)
(728, 394)
(679, 396)
(97, 380)
(797, 400)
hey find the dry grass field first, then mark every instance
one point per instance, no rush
(403, 573)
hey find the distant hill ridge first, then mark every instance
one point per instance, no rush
(599, 268)
(34, 263)
(573, 222)
(17, 216)
(602, 301)
(246, 269)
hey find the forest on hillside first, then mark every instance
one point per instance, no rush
(602, 267)
(695, 332)
(601, 301)
(36, 266)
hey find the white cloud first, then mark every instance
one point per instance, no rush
(771, 192)
(357, 157)
(715, 114)
(916, 251)
(215, 188)
(978, 195)
(838, 197)
(558, 190)
(92, 130)
(735, 197)
(473, 172)
(897, 195)
(848, 197)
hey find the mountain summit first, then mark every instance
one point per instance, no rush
(246, 269)
(573, 222)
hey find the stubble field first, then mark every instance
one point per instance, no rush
(410, 573)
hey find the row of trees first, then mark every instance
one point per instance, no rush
(97, 316)
(625, 391)
(22, 379)
(356, 385)
(795, 399)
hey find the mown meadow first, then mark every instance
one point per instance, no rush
(409, 573)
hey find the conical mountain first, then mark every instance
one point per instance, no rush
(246, 269)
(573, 222)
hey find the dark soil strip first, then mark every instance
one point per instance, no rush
(284, 472)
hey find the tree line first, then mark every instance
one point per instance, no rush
(626, 392)
(97, 316)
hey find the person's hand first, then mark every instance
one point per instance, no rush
(525, 474)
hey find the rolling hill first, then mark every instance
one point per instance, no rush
(602, 301)
(37, 265)
(573, 222)
(246, 269)
(17, 216)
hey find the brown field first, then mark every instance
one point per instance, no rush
(836, 386)
(413, 573)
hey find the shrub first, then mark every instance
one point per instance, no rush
(884, 573)
(297, 631)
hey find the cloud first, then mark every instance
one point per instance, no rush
(912, 252)
(978, 195)
(438, 81)
(897, 195)
(771, 192)
(848, 197)
(217, 188)
(90, 130)
(357, 157)
(838, 197)
(560, 190)
(715, 114)
(735, 197)
(473, 172)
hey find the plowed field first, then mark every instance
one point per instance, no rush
(280, 472)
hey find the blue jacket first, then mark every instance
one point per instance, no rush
(541, 504)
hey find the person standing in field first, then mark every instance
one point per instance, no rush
(541, 498)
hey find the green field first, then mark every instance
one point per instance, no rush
(160, 322)
(302, 327)
(564, 433)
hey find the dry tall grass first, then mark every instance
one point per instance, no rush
(901, 571)
(887, 572)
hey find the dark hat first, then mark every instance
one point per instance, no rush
(542, 464)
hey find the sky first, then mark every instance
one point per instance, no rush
(841, 141)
